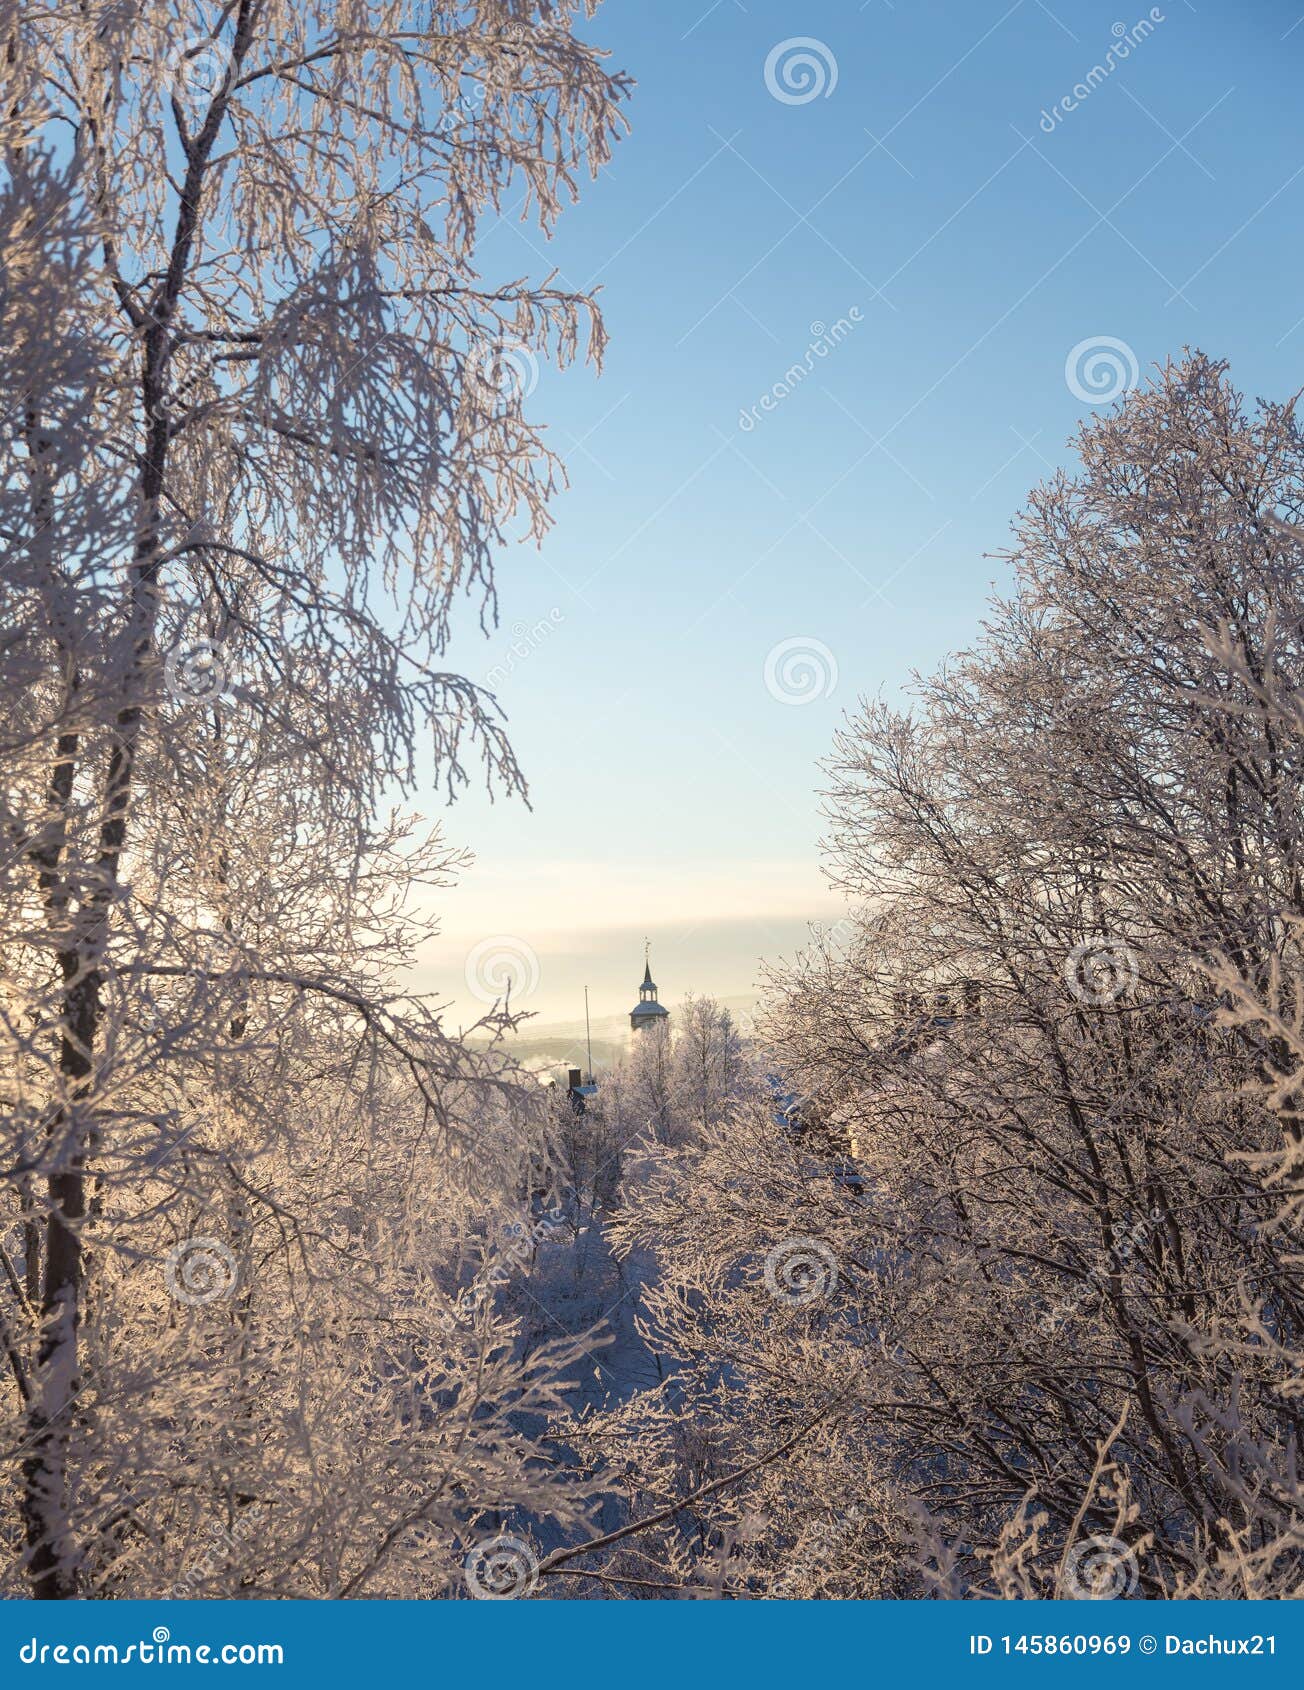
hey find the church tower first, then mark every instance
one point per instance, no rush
(647, 1012)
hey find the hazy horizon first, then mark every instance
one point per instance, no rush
(559, 927)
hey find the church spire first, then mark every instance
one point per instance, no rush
(647, 1012)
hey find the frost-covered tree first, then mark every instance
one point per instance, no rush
(264, 428)
(1061, 1302)
(711, 1072)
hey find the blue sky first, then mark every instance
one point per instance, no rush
(917, 199)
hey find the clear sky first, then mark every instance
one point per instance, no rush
(936, 197)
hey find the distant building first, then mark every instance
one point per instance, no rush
(580, 1092)
(647, 1012)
